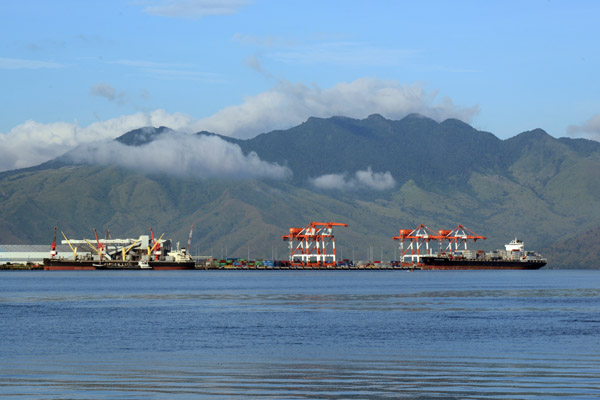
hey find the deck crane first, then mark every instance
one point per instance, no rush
(100, 245)
(53, 245)
(190, 239)
(155, 246)
(73, 249)
(94, 248)
(126, 250)
(100, 248)
(189, 244)
(309, 245)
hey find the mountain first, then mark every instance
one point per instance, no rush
(539, 188)
(579, 251)
(415, 148)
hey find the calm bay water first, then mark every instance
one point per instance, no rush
(300, 334)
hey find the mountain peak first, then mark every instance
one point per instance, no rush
(141, 136)
(456, 123)
(530, 136)
(416, 116)
(538, 133)
(376, 117)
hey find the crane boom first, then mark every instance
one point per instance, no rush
(98, 241)
(53, 245)
(126, 250)
(189, 244)
(156, 245)
(73, 249)
(93, 247)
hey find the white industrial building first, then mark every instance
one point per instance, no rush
(31, 253)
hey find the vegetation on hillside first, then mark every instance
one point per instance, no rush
(541, 189)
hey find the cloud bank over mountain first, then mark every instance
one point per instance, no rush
(289, 104)
(33, 143)
(182, 155)
(589, 129)
(284, 106)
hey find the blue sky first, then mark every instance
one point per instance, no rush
(75, 71)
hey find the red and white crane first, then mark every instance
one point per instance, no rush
(53, 245)
(418, 243)
(459, 236)
(313, 245)
(418, 240)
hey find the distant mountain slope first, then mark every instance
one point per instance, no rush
(542, 189)
(580, 251)
(415, 148)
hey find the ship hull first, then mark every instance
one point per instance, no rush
(68, 265)
(172, 266)
(89, 265)
(441, 263)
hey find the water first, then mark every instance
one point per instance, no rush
(300, 335)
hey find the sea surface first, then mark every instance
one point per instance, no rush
(300, 335)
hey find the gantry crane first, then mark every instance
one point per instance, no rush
(310, 246)
(419, 238)
(418, 243)
(460, 236)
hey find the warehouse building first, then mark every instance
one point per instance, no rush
(32, 253)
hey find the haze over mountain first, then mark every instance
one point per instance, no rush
(375, 174)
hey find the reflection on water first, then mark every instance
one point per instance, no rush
(300, 335)
(353, 378)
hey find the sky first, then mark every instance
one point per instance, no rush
(77, 72)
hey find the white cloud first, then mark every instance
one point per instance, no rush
(194, 9)
(284, 106)
(171, 71)
(108, 92)
(375, 180)
(32, 143)
(289, 104)
(343, 53)
(263, 41)
(17, 63)
(589, 129)
(254, 63)
(330, 181)
(366, 179)
(182, 154)
(149, 64)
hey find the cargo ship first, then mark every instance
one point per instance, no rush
(454, 254)
(513, 257)
(144, 253)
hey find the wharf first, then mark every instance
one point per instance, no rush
(286, 265)
(20, 267)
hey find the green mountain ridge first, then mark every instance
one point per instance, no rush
(541, 189)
